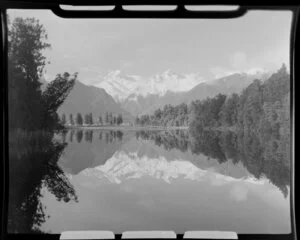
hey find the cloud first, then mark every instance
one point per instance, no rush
(273, 57)
(239, 60)
(219, 72)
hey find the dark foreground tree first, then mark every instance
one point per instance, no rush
(26, 41)
(29, 108)
(54, 96)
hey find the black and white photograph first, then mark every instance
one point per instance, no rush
(149, 124)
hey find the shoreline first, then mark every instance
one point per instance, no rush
(131, 128)
(158, 128)
(222, 129)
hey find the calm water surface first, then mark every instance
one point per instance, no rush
(151, 180)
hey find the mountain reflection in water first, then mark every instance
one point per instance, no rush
(152, 180)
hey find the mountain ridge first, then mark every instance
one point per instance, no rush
(86, 99)
(234, 83)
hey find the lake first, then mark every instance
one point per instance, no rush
(150, 180)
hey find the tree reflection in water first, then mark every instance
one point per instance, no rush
(32, 166)
(79, 135)
(88, 135)
(263, 156)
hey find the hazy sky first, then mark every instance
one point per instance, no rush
(210, 47)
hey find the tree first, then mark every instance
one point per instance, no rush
(63, 119)
(277, 86)
(100, 120)
(87, 119)
(114, 120)
(107, 121)
(110, 118)
(251, 106)
(55, 94)
(228, 113)
(119, 119)
(79, 119)
(29, 107)
(157, 114)
(91, 121)
(27, 39)
(137, 121)
(71, 119)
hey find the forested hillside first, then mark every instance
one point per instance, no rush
(261, 107)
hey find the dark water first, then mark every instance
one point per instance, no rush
(151, 180)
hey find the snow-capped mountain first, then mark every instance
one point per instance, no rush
(122, 86)
(139, 95)
(233, 83)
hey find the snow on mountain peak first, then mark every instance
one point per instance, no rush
(254, 71)
(121, 86)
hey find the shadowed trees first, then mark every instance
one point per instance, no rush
(30, 108)
(33, 167)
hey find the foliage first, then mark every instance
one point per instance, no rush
(262, 107)
(29, 107)
(71, 119)
(168, 116)
(100, 121)
(55, 94)
(79, 120)
(88, 119)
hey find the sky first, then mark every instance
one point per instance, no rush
(209, 47)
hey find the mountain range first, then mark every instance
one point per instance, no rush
(133, 95)
(121, 86)
(90, 99)
(137, 103)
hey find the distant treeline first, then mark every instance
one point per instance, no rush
(262, 106)
(107, 119)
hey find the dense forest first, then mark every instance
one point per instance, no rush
(29, 107)
(261, 107)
